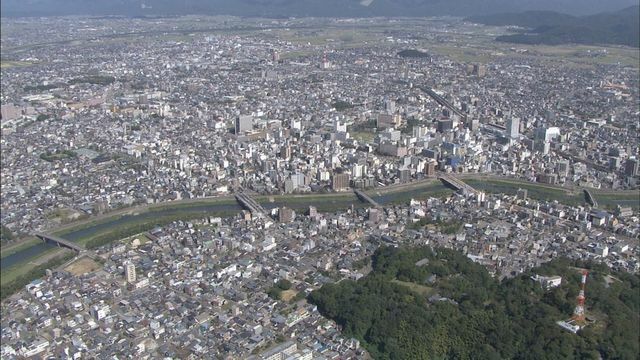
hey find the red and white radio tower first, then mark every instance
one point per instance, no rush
(578, 312)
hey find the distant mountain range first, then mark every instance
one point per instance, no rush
(299, 8)
(547, 27)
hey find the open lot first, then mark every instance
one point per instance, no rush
(83, 266)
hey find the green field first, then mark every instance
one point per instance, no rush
(5, 64)
(421, 290)
(363, 136)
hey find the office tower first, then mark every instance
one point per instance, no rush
(285, 215)
(445, 125)
(431, 168)
(478, 70)
(244, 123)
(285, 152)
(474, 124)
(340, 182)
(513, 127)
(390, 106)
(404, 175)
(562, 167)
(631, 167)
(614, 163)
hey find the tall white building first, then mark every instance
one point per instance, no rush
(244, 123)
(130, 272)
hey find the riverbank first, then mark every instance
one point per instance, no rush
(21, 258)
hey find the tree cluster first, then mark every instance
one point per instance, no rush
(275, 292)
(472, 315)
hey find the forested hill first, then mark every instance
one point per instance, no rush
(547, 27)
(420, 303)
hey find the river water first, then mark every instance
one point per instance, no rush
(324, 205)
(123, 221)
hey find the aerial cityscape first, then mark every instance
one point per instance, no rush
(295, 184)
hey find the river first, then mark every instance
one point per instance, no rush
(206, 210)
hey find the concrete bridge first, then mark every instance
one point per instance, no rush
(364, 197)
(250, 204)
(590, 199)
(59, 241)
(457, 184)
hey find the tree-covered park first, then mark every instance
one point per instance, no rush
(467, 314)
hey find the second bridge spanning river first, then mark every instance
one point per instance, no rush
(250, 204)
(457, 184)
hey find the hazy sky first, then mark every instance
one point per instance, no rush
(303, 7)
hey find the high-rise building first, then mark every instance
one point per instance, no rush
(431, 168)
(445, 125)
(285, 152)
(478, 70)
(244, 123)
(390, 106)
(513, 127)
(285, 215)
(130, 272)
(631, 167)
(340, 182)
(562, 167)
(404, 175)
(419, 131)
(473, 124)
(614, 163)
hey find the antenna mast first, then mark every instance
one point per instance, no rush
(578, 312)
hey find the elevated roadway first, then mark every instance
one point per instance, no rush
(443, 102)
